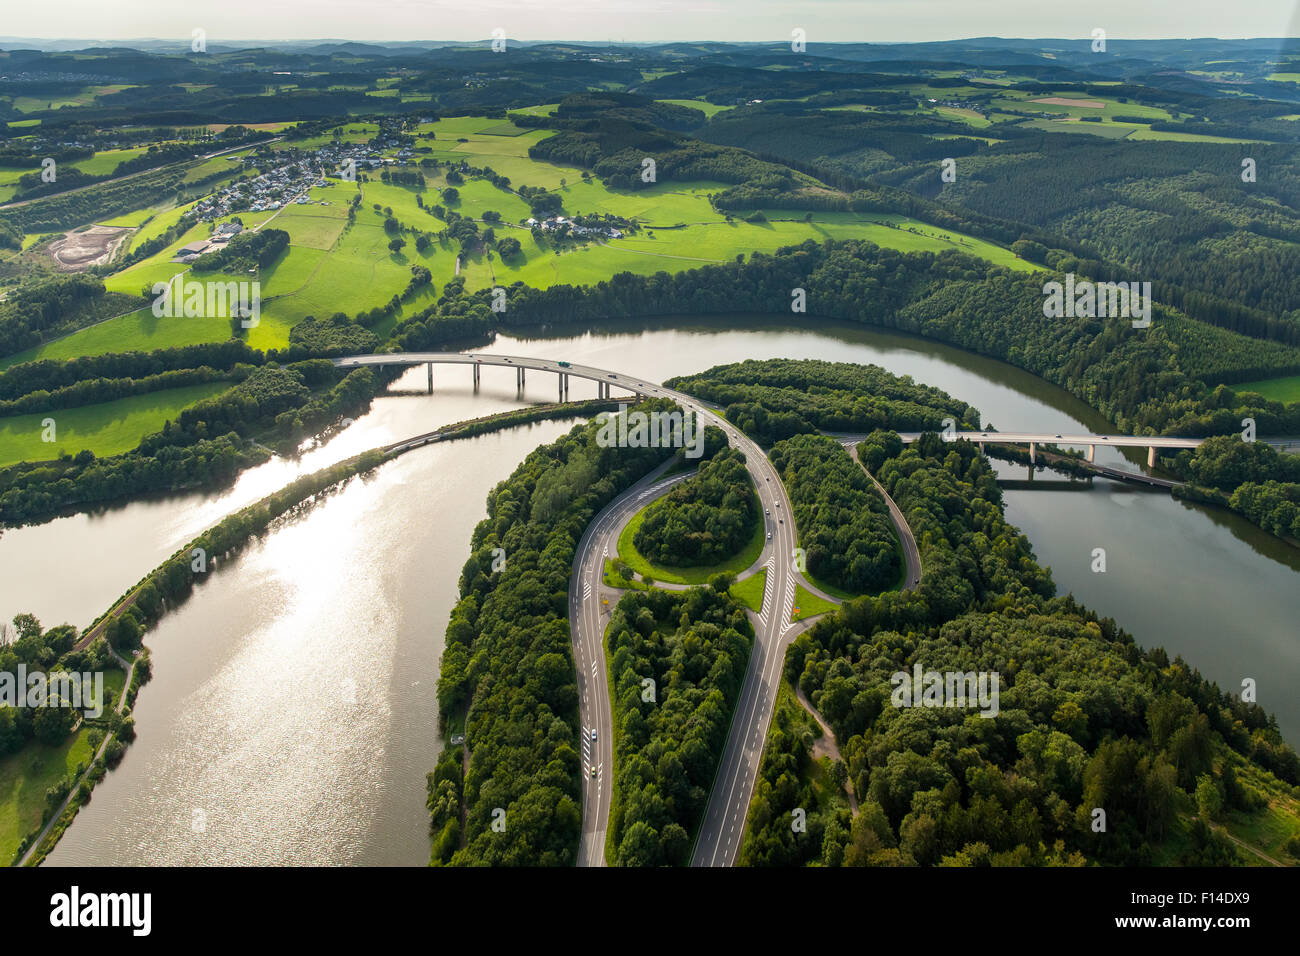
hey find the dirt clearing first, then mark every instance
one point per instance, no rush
(78, 251)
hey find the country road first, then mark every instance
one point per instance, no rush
(911, 554)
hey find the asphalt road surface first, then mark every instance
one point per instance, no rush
(590, 604)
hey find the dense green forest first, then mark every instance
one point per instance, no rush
(677, 663)
(843, 523)
(208, 442)
(508, 658)
(1252, 478)
(705, 520)
(1086, 719)
(776, 399)
(1148, 381)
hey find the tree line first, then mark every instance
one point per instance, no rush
(508, 663)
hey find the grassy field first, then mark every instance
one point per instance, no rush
(638, 563)
(24, 778)
(1275, 389)
(103, 163)
(970, 117)
(749, 592)
(332, 267)
(1142, 133)
(807, 604)
(616, 580)
(709, 109)
(108, 428)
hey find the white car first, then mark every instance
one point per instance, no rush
(769, 536)
(593, 733)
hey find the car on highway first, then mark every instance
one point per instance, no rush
(766, 512)
(769, 536)
(612, 375)
(563, 364)
(593, 733)
(593, 773)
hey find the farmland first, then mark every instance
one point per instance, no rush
(108, 428)
(331, 266)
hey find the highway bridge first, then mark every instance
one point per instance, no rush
(722, 828)
(1034, 439)
(718, 842)
(606, 381)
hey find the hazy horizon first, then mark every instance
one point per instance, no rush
(650, 21)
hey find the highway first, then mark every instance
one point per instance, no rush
(588, 617)
(718, 842)
(911, 554)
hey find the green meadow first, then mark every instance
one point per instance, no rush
(24, 778)
(332, 266)
(103, 163)
(108, 428)
(1274, 389)
(709, 109)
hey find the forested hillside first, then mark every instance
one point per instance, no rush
(843, 524)
(677, 663)
(1086, 720)
(509, 662)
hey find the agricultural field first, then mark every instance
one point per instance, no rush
(1275, 389)
(108, 428)
(500, 145)
(87, 96)
(971, 117)
(331, 267)
(104, 162)
(9, 181)
(709, 109)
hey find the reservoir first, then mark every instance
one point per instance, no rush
(292, 715)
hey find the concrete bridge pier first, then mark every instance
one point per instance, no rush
(430, 378)
(1151, 456)
(564, 386)
(1033, 453)
(519, 378)
(1092, 453)
(981, 444)
(475, 376)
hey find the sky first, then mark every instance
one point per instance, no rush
(645, 20)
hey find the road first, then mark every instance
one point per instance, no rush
(718, 842)
(588, 616)
(911, 554)
(143, 172)
(723, 826)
